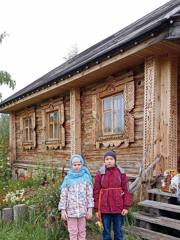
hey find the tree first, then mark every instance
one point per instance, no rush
(4, 147)
(73, 51)
(5, 77)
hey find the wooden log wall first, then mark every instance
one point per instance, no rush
(164, 128)
(40, 153)
(128, 157)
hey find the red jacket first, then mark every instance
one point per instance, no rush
(114, 194)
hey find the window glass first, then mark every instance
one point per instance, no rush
(113, 114)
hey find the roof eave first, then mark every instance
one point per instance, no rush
(126, 54)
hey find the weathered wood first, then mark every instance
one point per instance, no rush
(168, 110)
(149, 110)
(20, 212)
(130, 150)
(172, 131)
(159, 192)
(134, 186)
(32, 210)
(128, 157)
(163, 221)
(7, 215)
(149, 234)
(178, 114)
(75, 121)
(159, 205)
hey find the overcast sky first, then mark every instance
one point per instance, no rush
(42, 32)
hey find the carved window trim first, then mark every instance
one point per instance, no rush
(113, 86)
(28, 114)
(54, 143)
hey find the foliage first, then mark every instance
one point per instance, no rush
(13, 198)
(5, 77)
(129, 222)
(45, 222)
(4, 143)
(24, 232)
(73, 51)
(46, 198)
(4, 129)
(2, 36)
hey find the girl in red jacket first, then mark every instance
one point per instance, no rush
(111, 196)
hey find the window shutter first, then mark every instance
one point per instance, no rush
(34, 128)
(21, 131)
(62, 129)
(44, 131)
(97, 125)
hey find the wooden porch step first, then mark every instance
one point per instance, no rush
(159, 192)
(159, 205)
(149, 234)
(162, 221)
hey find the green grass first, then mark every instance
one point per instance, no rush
(38, 227)
(22, 232)
(38, 231)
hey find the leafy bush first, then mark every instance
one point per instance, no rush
(5, 171)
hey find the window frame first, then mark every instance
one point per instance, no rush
(110, 87)
(58, 143)
(53, 124)
(29, 128)
(28, 144)
(112, 115)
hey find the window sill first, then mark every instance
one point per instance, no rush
(28, 146)
(54, 144)
(113, 141)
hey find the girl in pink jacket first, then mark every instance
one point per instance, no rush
(76, 198)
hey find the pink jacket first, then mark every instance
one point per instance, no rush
(76, 199)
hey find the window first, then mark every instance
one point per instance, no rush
(53, 131)
(53, 125)
(28, 131)
(113, 114)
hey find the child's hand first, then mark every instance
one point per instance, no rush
(124, 212)
(89, 213)
(64, 215)
(97, 215)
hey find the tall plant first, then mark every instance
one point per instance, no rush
(4, 147)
